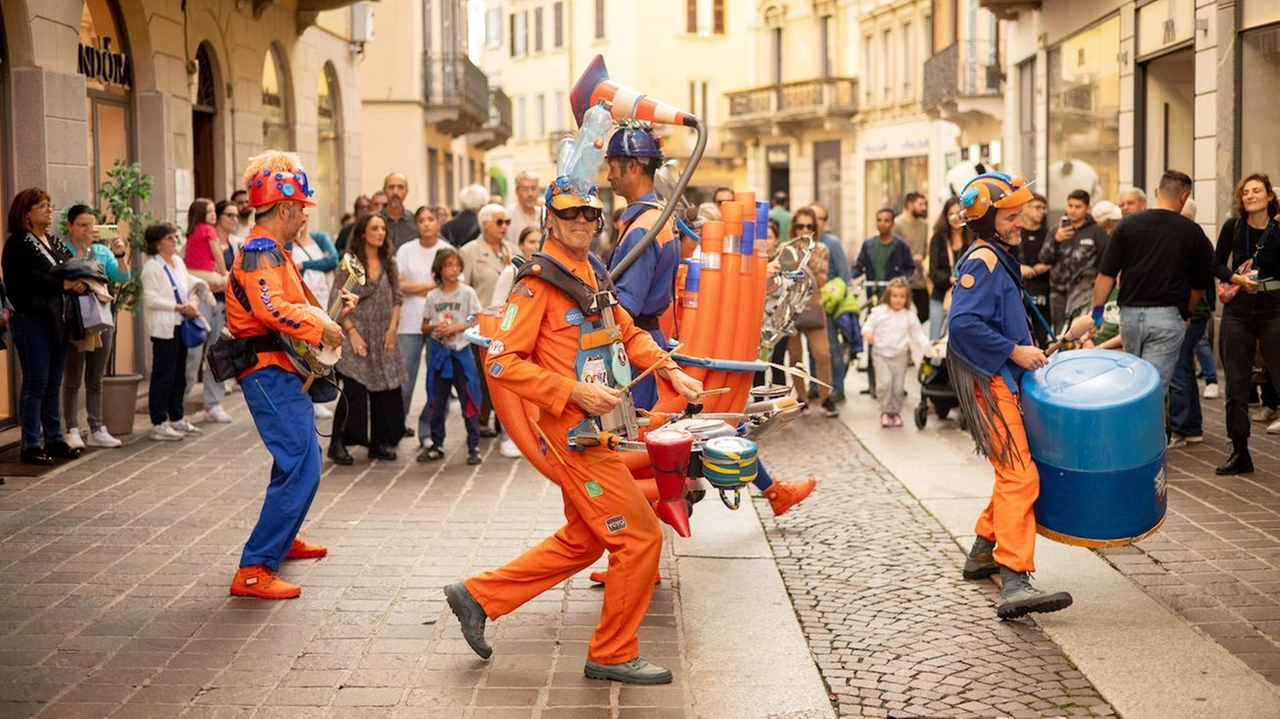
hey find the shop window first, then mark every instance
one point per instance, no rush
(1260, 79)
(103, 59)
(888, 181)
(1084, 115)
(275, 103)
(328, 171)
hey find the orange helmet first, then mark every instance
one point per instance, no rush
(985, 194)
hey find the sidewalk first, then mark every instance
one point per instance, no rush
(114, 572)
(1145, 660)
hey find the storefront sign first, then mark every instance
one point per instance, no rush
(778, 155)
(1163, 24)
(105, 66)
(915, 143)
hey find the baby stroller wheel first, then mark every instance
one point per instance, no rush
(922, 415)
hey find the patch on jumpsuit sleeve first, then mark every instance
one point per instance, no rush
(615, 524)
(966, 281)
(510, 317)
(495, 368)
(496, 347)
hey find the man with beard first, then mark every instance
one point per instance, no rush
(400, 225)
(910, 225)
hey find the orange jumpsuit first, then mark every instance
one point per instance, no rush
(533, 355)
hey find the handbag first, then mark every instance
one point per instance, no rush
(191, 332)
(1226, 290)
(811, 318)
(95, 315)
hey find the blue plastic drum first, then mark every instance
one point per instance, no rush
(1095, 423)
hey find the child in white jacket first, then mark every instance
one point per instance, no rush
(891, 329)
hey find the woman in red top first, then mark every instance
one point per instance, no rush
(203, 255)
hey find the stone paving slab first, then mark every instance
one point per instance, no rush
(114, 573)
(1216, 561)
(895, 630)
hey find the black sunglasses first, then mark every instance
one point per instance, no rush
(502, 223)
(805, 226)
(590, 214)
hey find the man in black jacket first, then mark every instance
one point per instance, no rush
(1073, 258)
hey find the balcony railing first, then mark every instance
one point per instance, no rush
(497, 130)
(970, 68)
(455, 85)
(500, 112)
(795, 100)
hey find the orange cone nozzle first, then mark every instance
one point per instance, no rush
(624, 103)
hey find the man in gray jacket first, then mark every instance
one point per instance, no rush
(1073, 258)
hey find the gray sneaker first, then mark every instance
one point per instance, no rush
(636, 671)
(471, 616)
(1018, 598)
(981, 563)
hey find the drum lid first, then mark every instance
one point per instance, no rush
(1093, 378)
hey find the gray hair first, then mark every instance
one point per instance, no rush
(1189, 209)
(1133, 191)
(473, 197)
(488, 211)
(527, 175)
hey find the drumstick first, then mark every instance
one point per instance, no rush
(547, 439)
(652, 367)
(717, 390)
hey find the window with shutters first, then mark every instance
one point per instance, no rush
(493, 28)
(704, 17)
(537, 29)
(520, 33)
(599, 20)
(557, 19)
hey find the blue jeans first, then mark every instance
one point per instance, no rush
(937, 319)
(1155, 334)
(839, 361)
(214, 391)
(43, 360)
(1204, 354)
(416, 348)
(1184, 394)
(286, 423)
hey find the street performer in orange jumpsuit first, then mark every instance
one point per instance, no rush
(533, 354)
(270, 301)
(989, 348)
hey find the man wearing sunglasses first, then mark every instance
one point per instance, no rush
(538, 354)
(648, 286)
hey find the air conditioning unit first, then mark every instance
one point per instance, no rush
(362, 22)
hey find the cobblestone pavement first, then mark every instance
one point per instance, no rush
(114, 575)
(895, 630)
(1216, 561)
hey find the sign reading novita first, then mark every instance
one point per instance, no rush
(104, 65)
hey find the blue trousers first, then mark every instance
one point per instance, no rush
(645, 392)
(440, 410)
(285, 419)
(414, 346)
(1204, 353)
(1185, 417)
(43, 361)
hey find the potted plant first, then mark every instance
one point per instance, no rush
(122, 194)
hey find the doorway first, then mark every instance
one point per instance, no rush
(1168, 116)
(203, 113)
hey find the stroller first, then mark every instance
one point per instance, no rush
(936, 389)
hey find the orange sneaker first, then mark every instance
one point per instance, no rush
(783, 496)
(306, 550)
(258, 581)
(603, 577)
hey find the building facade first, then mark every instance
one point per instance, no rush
(1107, 94)
(684, 52)
(428, 109)
(188, 90)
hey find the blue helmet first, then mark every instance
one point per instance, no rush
(634, 141)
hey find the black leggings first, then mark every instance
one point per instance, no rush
(168, 379)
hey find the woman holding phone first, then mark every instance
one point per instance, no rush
(102, 244)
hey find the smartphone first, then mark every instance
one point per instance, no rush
(107, 233)
(1066, 221)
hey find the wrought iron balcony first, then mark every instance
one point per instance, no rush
(794, 101)
(498, 129)
(456, 94)
(969, 68)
